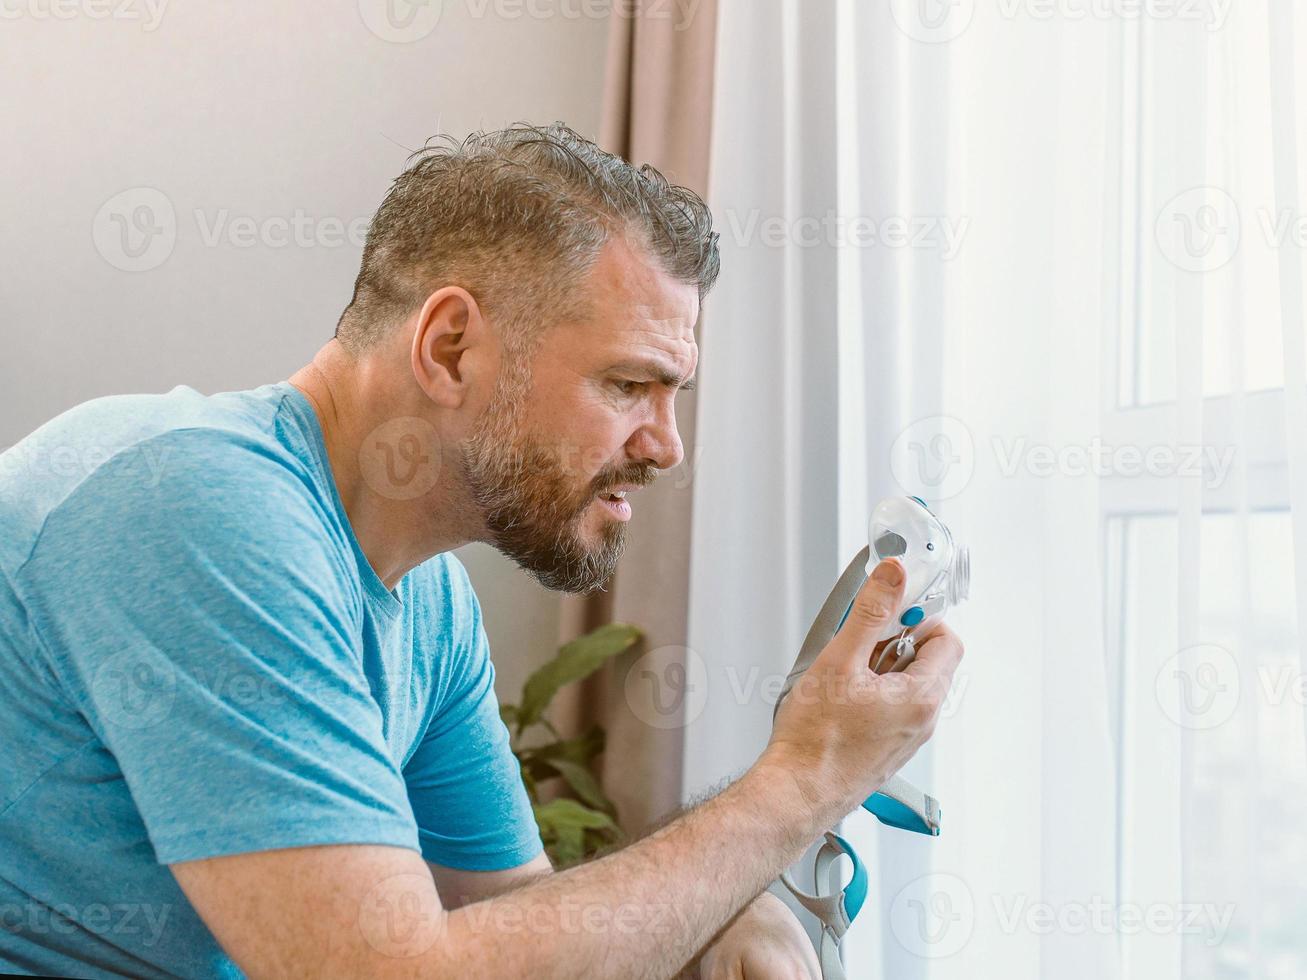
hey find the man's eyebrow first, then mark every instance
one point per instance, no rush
(658, 372)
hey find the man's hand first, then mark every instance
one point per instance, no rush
(765, 942)
(844, 729)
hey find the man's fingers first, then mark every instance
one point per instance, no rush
(874, 607)
(938, 656)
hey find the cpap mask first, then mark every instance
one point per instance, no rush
(938, 573)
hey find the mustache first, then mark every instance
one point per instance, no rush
(637, 475)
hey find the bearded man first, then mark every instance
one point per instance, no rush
(246, 701)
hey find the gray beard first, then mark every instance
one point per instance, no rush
(533, 512)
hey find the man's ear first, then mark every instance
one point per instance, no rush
(453, 346)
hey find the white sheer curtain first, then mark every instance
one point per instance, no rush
(1041, 265)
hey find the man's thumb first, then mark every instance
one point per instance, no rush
(873, 609)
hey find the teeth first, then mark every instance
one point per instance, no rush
(619, 494)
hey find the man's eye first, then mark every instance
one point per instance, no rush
(627, 387)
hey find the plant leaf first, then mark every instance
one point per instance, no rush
(576, 660)
(580, 750)
(569, 813)
(564, 825)
(581, 780)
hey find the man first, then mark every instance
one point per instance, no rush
(245, 700)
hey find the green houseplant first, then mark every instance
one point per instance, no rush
(581, 820)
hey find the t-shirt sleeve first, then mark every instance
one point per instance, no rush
(464, 782)
(203, 620)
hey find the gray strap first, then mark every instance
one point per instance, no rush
(827, 906)
(923, 812)
(828, 620)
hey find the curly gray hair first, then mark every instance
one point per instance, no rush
(517, 217)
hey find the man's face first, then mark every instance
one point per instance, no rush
(595, 418)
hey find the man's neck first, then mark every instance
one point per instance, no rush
(401, 498)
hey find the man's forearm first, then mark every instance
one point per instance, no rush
(647, 910)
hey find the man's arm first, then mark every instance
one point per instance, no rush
(358, 910)
(643, 911)
(458, 887)
(764, 931)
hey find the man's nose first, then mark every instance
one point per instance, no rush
(658, 441)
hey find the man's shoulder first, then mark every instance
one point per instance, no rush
(176, 459)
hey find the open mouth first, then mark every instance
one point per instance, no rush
(615, 502)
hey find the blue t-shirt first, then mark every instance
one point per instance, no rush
(196, 659)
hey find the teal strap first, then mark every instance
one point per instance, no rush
(835, 907)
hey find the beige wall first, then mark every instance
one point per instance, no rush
(246, 137)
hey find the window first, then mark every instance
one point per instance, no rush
(1210, 740)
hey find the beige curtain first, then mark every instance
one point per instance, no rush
(657, 110)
